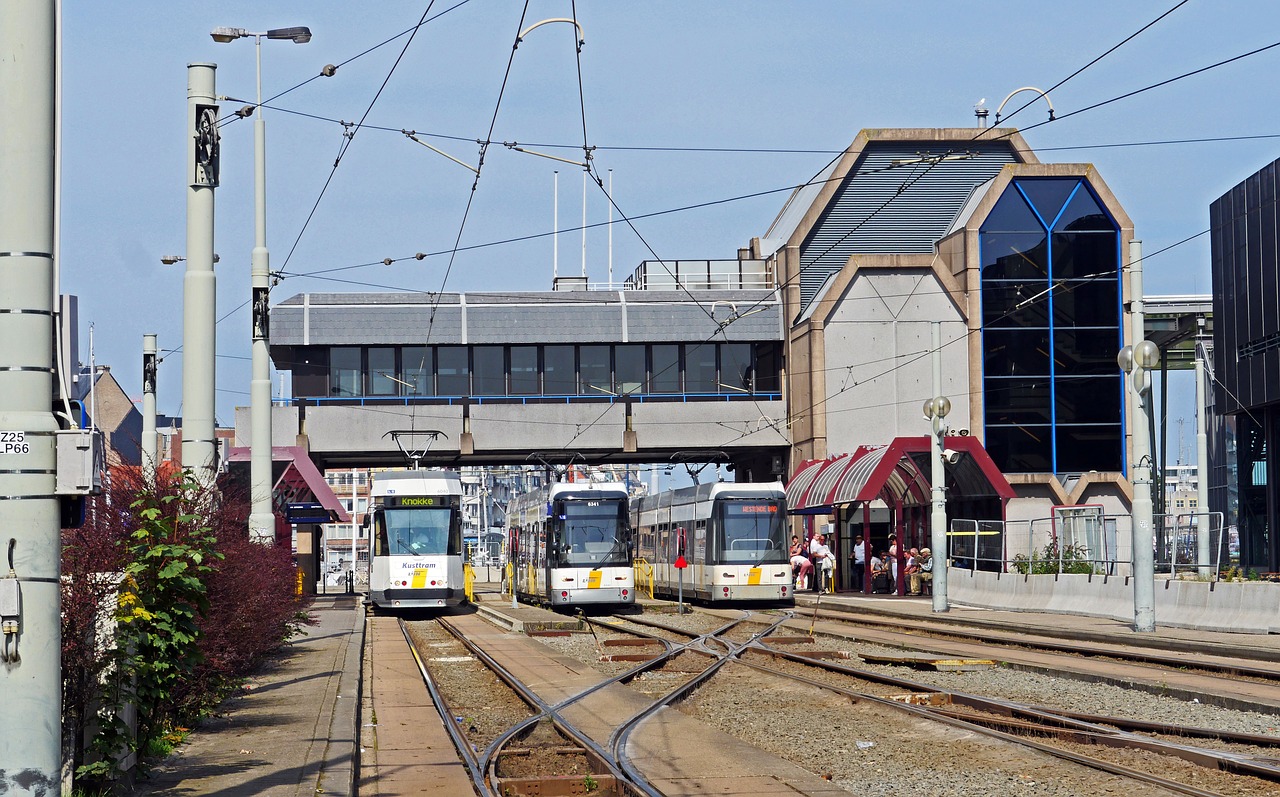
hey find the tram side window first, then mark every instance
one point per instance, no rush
(379, 535)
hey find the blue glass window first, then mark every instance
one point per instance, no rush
(1052, 393)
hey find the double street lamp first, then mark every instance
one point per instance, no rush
(261, 517)
(1137, 361)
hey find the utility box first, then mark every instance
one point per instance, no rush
(81, 460)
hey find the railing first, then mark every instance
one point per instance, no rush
(1086, 543)
(468, 581)
(644, 576)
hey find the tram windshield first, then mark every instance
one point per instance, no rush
(752, 531)
(417, 531)
(593, 532)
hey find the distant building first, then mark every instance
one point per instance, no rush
(112, 411)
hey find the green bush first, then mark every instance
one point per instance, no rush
(1074, 559)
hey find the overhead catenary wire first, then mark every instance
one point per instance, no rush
(455, 251)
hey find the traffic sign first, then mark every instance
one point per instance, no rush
(680, 564)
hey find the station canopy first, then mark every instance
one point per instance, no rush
(296, 480)
(897, 473)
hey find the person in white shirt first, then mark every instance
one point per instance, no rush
(859, 560)
(823, 561)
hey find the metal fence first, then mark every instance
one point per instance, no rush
(1087, 541)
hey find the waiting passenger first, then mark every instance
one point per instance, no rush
(912, 572)
(801, 567)
(881, 581)
(926, 571)
(823, 562)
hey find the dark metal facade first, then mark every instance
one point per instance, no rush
(1246, 304)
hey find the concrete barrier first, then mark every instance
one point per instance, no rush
(1244, 607)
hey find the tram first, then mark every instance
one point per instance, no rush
(416, 531)
(570, 544)
(732, 537)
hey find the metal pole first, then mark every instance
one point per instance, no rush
(1144, 615)
(1203, 530)
(199, 294)
(150, 438)
(938, 517)
(261, 517)
(611, 229)
(31, 678)
(355, 531)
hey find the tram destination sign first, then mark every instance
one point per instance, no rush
(427, 501)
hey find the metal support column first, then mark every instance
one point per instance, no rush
(31, 674)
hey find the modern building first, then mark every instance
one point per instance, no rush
(1020, 262)
(1246, 365)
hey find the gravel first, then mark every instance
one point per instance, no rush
(868, 749)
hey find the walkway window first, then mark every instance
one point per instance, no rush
(524, 370)
(700, 368)
(735, 368)
(1051, 329)
(344, 371)
(453, 373)
(628, 365)
(594, 370)
(417, 371)
(664, 368)
(558, 375)
(488, 375)
(382, 371)
(768, 367)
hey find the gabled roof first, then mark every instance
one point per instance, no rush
(893, 192)
(893, 473)
(298, 481)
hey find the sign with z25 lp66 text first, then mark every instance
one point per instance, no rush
(14, 443)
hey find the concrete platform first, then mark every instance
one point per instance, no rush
(292, 732)
(405, 749)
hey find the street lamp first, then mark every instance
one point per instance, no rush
(1137, 361)
(936, 410)
(261, 516)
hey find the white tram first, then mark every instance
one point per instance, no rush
(416, 525)
(571, 544)
(733, 537)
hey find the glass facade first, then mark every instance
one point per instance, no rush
(673, 370)
(1052, 325)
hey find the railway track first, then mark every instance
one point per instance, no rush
(565, 736)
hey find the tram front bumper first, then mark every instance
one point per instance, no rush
(573, 597)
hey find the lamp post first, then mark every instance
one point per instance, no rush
(936, 410)
(261, 517)
(1137, 361)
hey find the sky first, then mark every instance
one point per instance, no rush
(704, 113)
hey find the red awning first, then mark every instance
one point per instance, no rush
(894, 473)
(300, 481)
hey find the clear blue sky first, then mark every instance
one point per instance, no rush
(799, 76)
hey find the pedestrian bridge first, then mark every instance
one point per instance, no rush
(685, 365)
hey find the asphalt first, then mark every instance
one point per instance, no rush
(292, 731)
